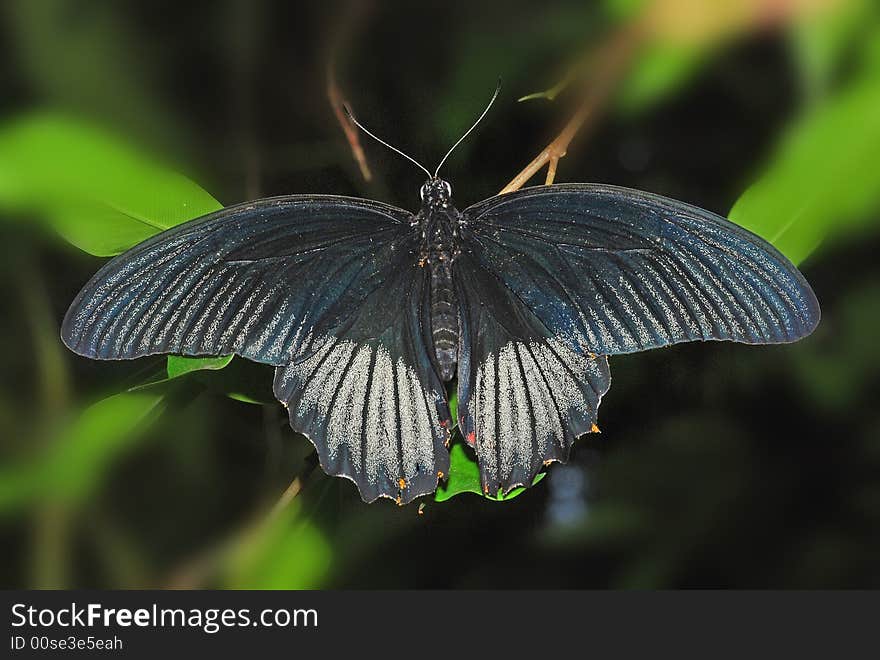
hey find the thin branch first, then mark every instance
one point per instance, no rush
(351, 18)
(613, 57)
(245, 22)
(689, 22)
(52, 520)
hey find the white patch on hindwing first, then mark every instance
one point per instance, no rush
(366, 403)
(522, 397)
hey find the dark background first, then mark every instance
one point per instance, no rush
(719, 465)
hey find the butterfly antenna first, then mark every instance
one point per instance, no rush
(470, 130)
(383, 142)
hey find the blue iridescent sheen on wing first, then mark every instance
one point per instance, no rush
(611, 270)
(359, 306)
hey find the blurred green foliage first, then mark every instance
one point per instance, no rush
(80, 456)
(290, 552)
(822, 179)
(101, 194)
(738, 467)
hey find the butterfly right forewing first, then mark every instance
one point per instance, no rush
(612, 270)
(554, 278)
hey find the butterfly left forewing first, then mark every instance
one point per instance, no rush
(254, 279)
(328, 290)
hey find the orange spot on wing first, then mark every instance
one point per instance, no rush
(471, 438)
(594, 429)
(401, 483)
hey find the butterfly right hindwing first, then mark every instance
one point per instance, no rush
(524, 395)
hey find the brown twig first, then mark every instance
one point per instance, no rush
(195, 573)
(613, 56)
(337, 101)
(352, 16)
(676, 21)
(295, 487)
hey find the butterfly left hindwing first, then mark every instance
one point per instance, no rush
(368, 395)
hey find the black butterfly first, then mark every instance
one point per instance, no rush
(366, 310)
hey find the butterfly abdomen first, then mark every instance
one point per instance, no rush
(444, 318)
(438, 221)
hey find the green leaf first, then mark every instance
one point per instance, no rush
(179, 365)
(464, 477)
(870, 53)
(102, 432)
(245, 381)
(824, 178)
(464, 473)
(244, 398)
(100, 193)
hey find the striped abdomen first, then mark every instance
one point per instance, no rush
(444, 318)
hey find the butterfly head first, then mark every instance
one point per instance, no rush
(436, 193)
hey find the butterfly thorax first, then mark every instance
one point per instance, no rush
(438, 222)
